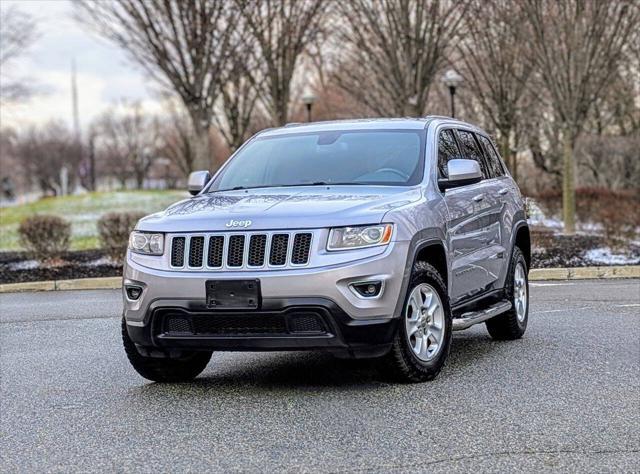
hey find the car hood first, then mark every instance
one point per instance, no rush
(281, 208)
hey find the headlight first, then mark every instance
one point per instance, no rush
(146, 243)
(343, 238)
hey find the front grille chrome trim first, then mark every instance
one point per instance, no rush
(226, 240)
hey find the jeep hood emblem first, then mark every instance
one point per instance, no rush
(234, 223)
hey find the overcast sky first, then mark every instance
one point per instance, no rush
(105, 76)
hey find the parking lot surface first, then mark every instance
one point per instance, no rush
(565, 397)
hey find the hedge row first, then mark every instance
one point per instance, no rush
(617, 212)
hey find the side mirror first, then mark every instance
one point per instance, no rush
(197, 181)
(461, 172)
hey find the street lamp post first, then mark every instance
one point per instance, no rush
(308, 99)
(452, 80)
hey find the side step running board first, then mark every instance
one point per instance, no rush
(467, 320)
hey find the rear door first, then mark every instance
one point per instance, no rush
(476, 238)
(505, 191)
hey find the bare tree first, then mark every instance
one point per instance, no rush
(239, 96)
(609, 161)
(576, 45)
(17, 33)
(282, 30)
(187, 46)
(391, 51)
(127, 138)
(492, 58)
(44, 153)
(176, 139)
(617, 111)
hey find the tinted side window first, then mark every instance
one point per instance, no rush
(447, 150)
(492, 157)
(471, 150)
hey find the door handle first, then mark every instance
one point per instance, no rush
(503, 191)
(478, 198)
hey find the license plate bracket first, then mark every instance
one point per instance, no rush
(233, 294)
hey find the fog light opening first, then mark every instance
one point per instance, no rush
(367, 289)
(133, 292)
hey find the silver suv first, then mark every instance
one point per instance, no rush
(365, 238)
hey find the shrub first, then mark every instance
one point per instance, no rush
(46, 237)
(617, 212)
(114, 229)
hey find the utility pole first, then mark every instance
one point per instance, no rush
(74, 101)
(76, 119)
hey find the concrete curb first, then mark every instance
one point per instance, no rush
(585, 273)
(107, 283)
(537, 274)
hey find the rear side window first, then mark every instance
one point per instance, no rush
(447, 150)
(493, 160)
(471, 150)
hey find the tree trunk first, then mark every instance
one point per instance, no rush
(507, 156)
(203, 156)
(92, 162)
(139, 179)
(281, 112)
(568, 184)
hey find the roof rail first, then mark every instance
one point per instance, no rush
(446, 117)
(293, 124)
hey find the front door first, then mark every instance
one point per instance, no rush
(474, 231)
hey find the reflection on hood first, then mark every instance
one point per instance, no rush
(281, 208)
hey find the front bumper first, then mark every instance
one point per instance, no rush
(276, 326)
(351, 322)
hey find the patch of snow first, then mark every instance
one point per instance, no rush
(589, 227)
(606, 256)
(538, 218)
(24, 265)
(101, 261)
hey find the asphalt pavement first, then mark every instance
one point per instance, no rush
(566, 397)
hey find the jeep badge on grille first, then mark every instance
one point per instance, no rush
(234, 223)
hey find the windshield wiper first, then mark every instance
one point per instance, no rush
(315, 183)
(239, 188)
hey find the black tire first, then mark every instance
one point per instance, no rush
(165, 369)
(401, 363)
(507, 326)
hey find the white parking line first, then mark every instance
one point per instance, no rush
(633, 305)
(562, 310)
(551, 284)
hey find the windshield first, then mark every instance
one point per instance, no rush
(379, 157)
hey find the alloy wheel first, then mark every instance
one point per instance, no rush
(520, 292)
(424, 322)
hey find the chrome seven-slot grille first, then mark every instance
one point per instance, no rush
(241, 250)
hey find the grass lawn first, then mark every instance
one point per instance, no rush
(83, 211)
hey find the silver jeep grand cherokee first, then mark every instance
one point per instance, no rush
(365, 238)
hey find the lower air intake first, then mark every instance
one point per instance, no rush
(239, 324)
(309, 323)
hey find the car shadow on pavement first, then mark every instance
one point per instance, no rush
(315, 370)
(473, 348)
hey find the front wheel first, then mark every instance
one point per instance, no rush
(164, 369)
(423, 338)
(513, 323)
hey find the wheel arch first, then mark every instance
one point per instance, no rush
(434, 252)
(522, 239)
(428, 246)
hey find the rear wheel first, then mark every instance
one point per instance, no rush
(165, 369)
(513, 323)
(423, 339)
